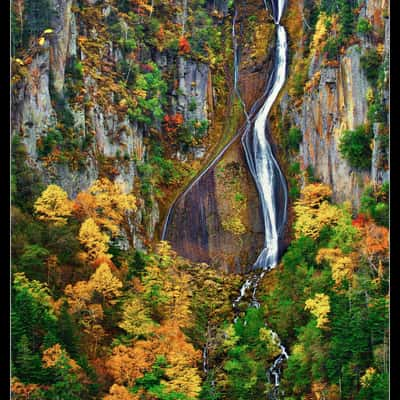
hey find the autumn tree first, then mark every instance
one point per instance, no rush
(375, 246)
(68, 374)
(319, 307)
(342, 266)
(106, 204)
(78, 296)
(94, 241)
(135, 319)
(21, 391)
(118, 392)
(53, 205)
(182, 357)
(313, 211)
(126, 364)
(183, 45)
(166, 286)
(105, 283)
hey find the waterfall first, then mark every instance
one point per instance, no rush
(268, 178)
(263, 166)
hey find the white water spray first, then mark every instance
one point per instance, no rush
(265, 169)
(268, 178)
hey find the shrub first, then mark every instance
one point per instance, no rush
(355, 147)
(52, 140)
(370, 62)
(294, 138)
(376, 112)
(374, 204)
(364, 26)
(332, 48)
(299, 80)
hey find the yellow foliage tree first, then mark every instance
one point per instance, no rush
(313, 194)
(366, 379)
(53, 205)
(313, 211)
(106, 203)
(319, 306)
(271, 342)
(105, 283)
(342, 266)
(135, 319)
(78, 296)
(166, 286)
(95, 242)
(230, 337)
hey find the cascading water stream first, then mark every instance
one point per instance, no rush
(268, 178)
(265, 169)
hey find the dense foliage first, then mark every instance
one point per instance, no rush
(355, 146)
(330, 303)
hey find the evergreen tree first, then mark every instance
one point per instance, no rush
(37, 18)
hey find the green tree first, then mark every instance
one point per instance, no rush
(32, 317)
(37, 18)
(355, 146)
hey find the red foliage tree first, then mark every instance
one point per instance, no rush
(184, 46)
(173, 122)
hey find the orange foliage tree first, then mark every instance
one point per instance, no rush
(183, 45)
(173, 122)
(118, 392)
(182, 358)
(127, 364)
(375, 246)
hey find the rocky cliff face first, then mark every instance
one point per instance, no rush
(73, 72)
(336, 103)
(335, 99)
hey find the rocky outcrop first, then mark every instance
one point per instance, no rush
(337, 103)
(117, 144)
(335, 99)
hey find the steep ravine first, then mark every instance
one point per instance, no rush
(223, 208)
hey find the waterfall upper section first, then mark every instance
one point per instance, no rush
(218, 219)
(263, 166)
